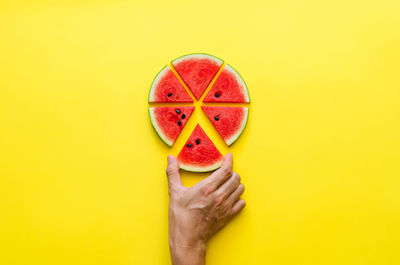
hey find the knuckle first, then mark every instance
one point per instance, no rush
(241, 189)
(169, 171)
(218, 199)
(206, 190)
(227, 171)
(237, 177)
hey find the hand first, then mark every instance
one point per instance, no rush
(197, 213)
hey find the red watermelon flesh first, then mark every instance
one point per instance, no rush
(228, 121)
(197, 71)
(167, 88)
(169, 121)
(229, 87)
(199, 154)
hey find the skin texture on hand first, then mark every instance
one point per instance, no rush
(197, 213)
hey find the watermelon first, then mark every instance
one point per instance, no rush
(228, 121)
(199, 154)
(197, 70)
(169, 121)
(166, 87)
(229, 87)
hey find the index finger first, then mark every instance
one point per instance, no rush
(219, 177)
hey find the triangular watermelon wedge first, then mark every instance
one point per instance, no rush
(229, 87)
(166, 87)
(228, 121)
(199, 154)
(169, 121)
(197, 70)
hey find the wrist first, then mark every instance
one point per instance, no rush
(184, 231)
(187, 254)
(187, 244)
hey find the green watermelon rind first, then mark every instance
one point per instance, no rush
(157, 128)
(189, 56)
(156, 80)
(239, 132)
(240, 80)
(195, 168)
(205, 55)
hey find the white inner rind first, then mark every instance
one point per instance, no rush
(156, 80)
(234, 137)
(197, 56)
(194, 168)
(239, 79)
(157, 128)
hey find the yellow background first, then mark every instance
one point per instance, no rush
(82, 171)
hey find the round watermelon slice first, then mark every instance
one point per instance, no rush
(197, 70)
(199, 154)
(167, 88)
(229, 87)
(169, 121)
(228, 121)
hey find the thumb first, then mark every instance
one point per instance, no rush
(174, 178)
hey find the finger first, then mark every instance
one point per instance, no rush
(174, 178)
(229, 186)
(222, 174)
(238, 206)
(234, 197)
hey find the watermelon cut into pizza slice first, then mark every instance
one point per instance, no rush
(228, 121)
(199, 154)
(166, 87)
(197, 70)
(169, 121)
(229, 87)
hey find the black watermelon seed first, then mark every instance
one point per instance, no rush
(169, 94)
(183, 116)
(178, 111)
(216, 118)
(217, 95)
(189, 145)
(179, 123)
(197, 141)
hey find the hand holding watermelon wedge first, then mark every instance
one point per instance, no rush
(197, 213)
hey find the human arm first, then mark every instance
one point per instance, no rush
(197, 213)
